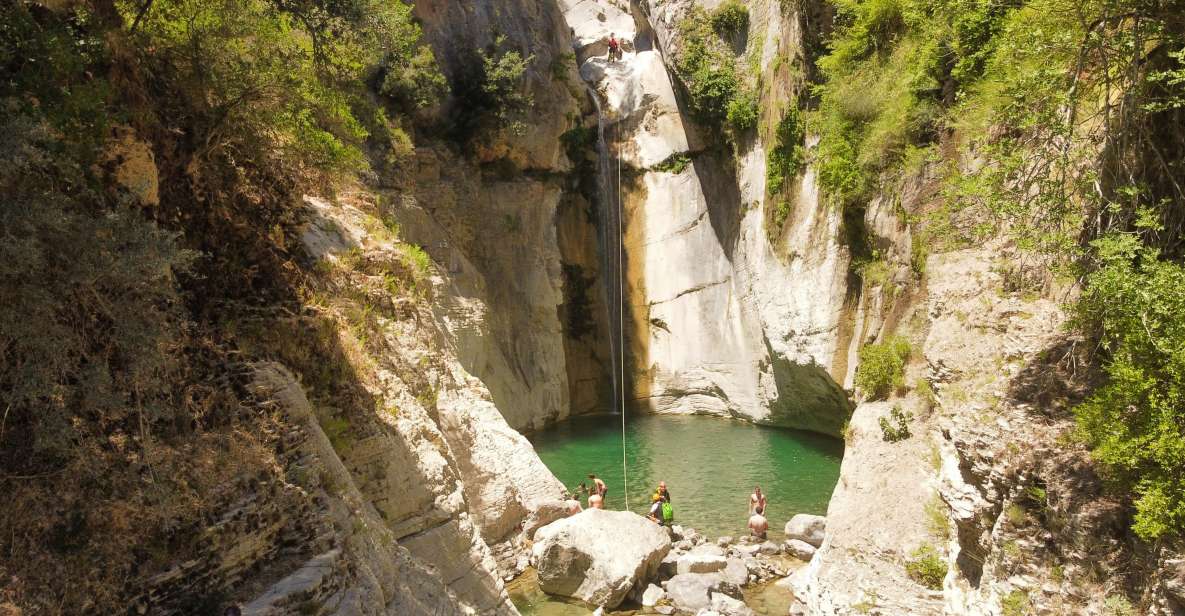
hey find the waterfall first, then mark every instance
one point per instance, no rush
(608, 176)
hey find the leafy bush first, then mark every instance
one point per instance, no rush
(926, 567)
(675, 163)
(895, 427)
(707, 70)
(1135, 423)
(90, 320)
(578, 141)
(882, 367)
(787, 154)
(742, 111)
(490, 93)
(730, 18)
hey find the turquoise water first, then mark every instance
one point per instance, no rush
(710, 466)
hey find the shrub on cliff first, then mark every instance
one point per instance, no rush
(1135, 422)
(706, 69)
(926, 567)
(730, 18)
(882, 367)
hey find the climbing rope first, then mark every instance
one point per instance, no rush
(621, 330)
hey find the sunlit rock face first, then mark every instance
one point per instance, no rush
(721, 316)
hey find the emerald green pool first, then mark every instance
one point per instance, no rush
(710, 466)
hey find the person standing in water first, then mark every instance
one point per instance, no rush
(596, 497)
(756, 500)
(758, 525)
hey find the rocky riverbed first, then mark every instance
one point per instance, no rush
(619, 563)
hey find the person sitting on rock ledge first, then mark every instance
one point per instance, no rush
(758, 525)
(662, 491)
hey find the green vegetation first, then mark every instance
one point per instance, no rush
(895, 427)
(937, 521)
(787, 155)
(578, 141)
(1073, 112)
(1134, 423)
(742, 113)
(1118, 605)
(132, 319)
(730, 18)
(708, 71)
(675, 163)
(926, 567)
(882, 367)
(489, 93)
(1015, 603)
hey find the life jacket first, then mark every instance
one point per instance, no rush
(668, 513)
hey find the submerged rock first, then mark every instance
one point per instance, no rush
(598, 556)
(808, 528)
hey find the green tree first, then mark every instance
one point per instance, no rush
(1135, 422)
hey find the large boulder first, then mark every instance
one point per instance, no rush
(808, 528)
(598, 556)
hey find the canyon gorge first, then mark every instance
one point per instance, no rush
(368, 352)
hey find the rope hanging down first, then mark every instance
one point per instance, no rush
(621, 332)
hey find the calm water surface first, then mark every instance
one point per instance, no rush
(710, 466)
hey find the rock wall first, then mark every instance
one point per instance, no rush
(988, 476)
(507, 222)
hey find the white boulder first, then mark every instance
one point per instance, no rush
(800, 549)
(702, 559)
(598, 556)
(727, 606)
(652, 596)
(808, 528)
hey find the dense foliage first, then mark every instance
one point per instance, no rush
(716, 89)
(1136, 421)
(882, 367)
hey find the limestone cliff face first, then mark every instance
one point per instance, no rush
(988, 477)
(516, 240)
(415, 490)
(719, 319)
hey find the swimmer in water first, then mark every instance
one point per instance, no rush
(758, 525)
(756, 500)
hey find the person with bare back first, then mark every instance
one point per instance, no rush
(596, 496)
